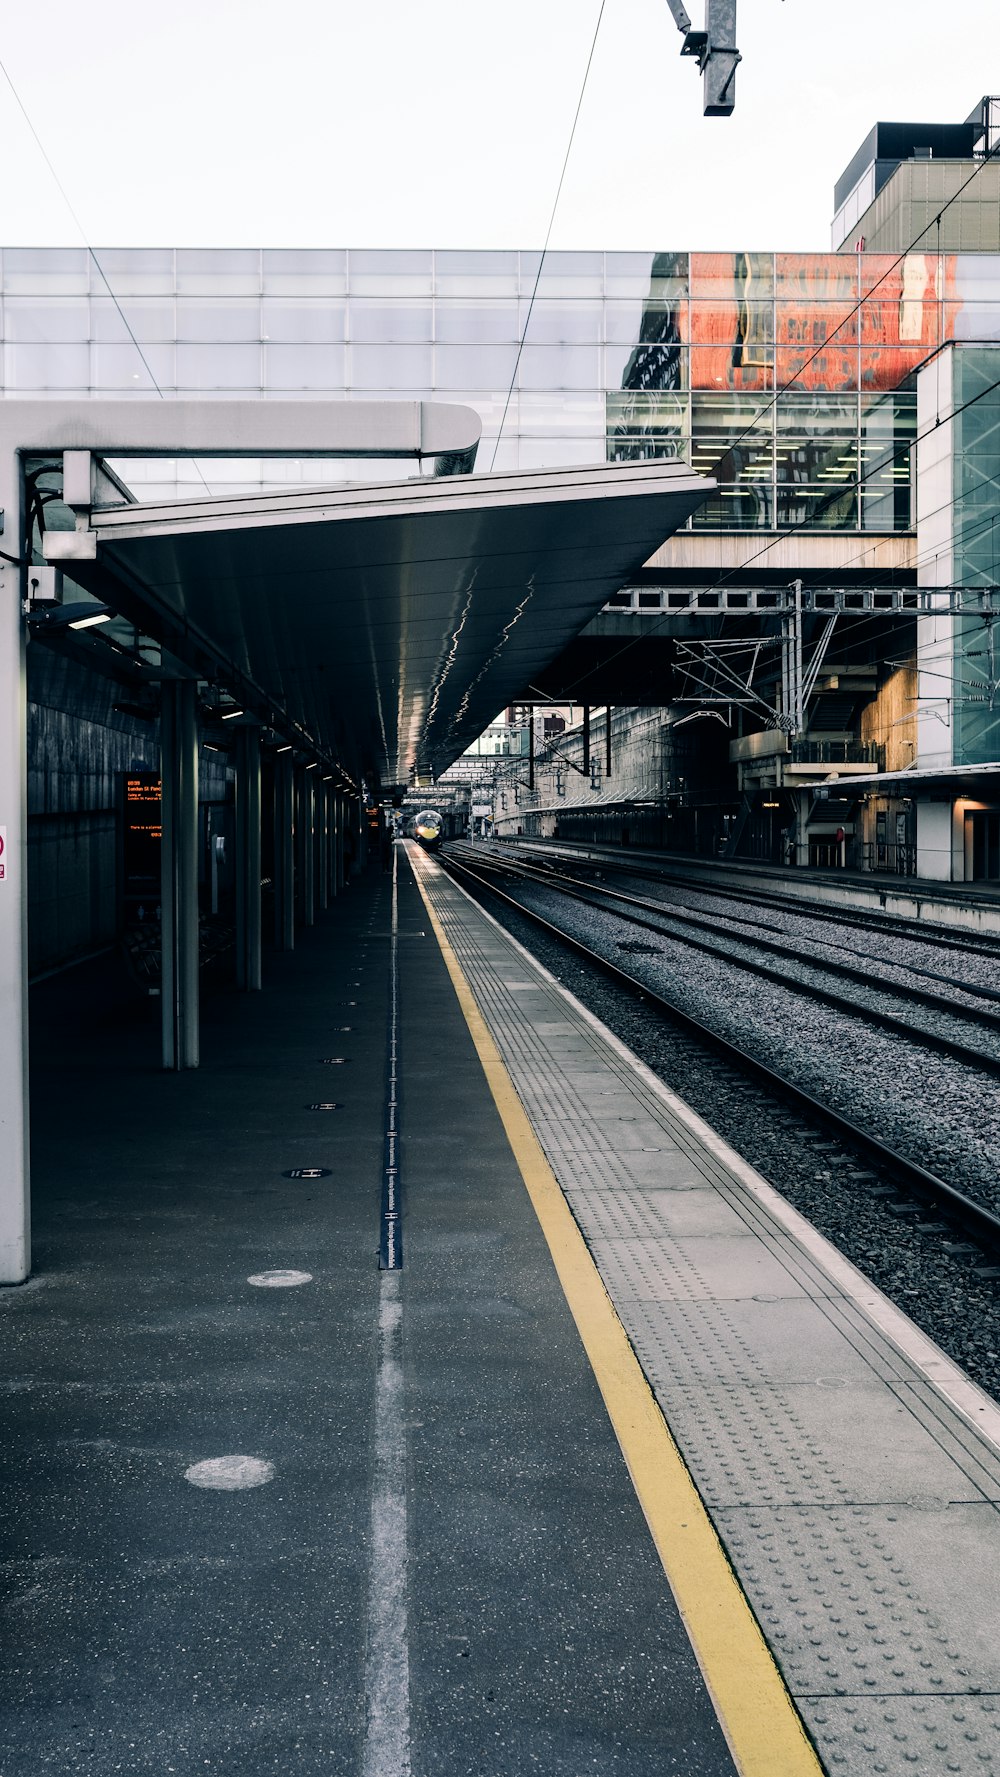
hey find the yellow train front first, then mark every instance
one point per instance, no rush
(427, 827)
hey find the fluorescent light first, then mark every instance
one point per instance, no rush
(89, 622)
(227, 715)
(285, 749)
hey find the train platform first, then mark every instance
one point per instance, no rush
(612, 1466)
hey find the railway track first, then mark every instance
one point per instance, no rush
(977, 1010)
(910, 1183)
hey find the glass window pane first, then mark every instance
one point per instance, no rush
(622, 321)
(298, 271)
(53, 271)
(373, 273)
(817, 508)
(561, 323)
(466, 323)
(646, 366)
(218, 271)
(26, 319)
(464, 274)
(979, 320)
(575, 413)
(747, 506)
(133, 271)
(458, 367)
(815, 276)
(735, 275)
(311, 320)
(148, 317)
(120, 366)
(305, 367)
(805, 367)
(732, 366)
(47, 366)
(563, 274)
(629, 274)
(390, 367)
(218, 366)
(560, 367)
(377, 321)
(221, 321)
(641, 425)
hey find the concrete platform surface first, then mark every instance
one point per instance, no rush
(852, 1473)
(429, 1557)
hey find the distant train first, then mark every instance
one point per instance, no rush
(427, 826)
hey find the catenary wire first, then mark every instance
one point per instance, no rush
(548, 236)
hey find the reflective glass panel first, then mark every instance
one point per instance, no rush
(640, 425)
(27, 320)
(563, 274)
(813, 277)
(561, 323)
(979, 320)
(148, 317)
(376, 273)
(646, 367)
(218, 271)
(49, 270)
(622, 321)
(47, 366)
(811, 367)
(462, 367)
(133, 271)
(468, 323)
(629, 274)
(390, 367)
(309, 366)
(218, 366)
(301, 271)
(225, 321)
(377, 321)
(571, 413)
(732, 366)
(309, 320)
(560, 367)
(819, 508)
(120, 366)
(746, 506)
(746, 276)
(464, 274)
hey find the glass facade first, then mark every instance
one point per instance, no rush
(976, 552)
(789, 376)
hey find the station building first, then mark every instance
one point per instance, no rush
(818, 639)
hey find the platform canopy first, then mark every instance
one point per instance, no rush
(390, 622)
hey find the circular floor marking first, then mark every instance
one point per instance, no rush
(279, 1280)
(230, 1474)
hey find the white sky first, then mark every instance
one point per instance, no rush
(444, 123)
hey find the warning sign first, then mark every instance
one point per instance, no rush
(3, 854)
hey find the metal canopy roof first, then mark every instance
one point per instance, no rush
(391, 622)
(941, 781)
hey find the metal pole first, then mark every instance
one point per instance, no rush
(179, 873)
(338, 842)
(607, 742)
(284, 858)
(307, 821)
(323, 842)
(248, 960)
(586, 739)
(15, 1197)
(531, 747)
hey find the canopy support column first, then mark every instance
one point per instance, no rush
(179, 873)
(15, 1196)
(248, 938)
(323, 843)
(284, 854)
(307, 823)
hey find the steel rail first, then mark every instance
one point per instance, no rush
(951, 1046)
(979, 943)
(978, 1223)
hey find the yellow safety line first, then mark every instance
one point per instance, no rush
(758, 1717)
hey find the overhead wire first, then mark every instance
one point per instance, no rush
(548, 235)
(86, 242)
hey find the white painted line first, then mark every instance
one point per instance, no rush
(387, 1660)
(279, 1280)
(230, 1474)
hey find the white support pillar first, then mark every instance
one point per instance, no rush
(284, 853)
(179, 873)
(15, 1197)
(248, 957)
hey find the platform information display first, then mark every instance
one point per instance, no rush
(142, 832)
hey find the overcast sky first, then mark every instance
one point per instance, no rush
(444, 122)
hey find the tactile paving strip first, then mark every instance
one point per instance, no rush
(857, 1506)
